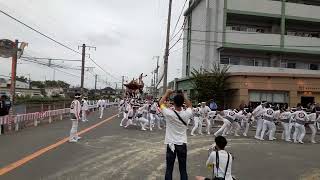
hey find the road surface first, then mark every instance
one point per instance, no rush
(113, 153)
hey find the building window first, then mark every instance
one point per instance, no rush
(314, 67)
(234, 60)
(291, 65)
(224, 60)
(270, 96)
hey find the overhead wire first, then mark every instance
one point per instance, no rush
(175, 27)
(37, 31)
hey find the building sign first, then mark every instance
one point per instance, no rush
(306, 88)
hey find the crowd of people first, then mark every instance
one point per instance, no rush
(147, 114)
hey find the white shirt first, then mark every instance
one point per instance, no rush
(300, 115)
(258, 112)
(100, 103)
(176, 131)
(75, 108)
(204, 111)
(223, 158)
(85, 106)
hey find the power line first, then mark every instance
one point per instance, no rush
(175, 27)
(53, 59)
(103, 69)
(37, 31)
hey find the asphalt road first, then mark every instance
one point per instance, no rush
(111, 152)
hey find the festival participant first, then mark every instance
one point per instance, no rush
(300, 119)
(121, 106)
(235, 125)
(84, 109)
(100, 105)
(125, 113)
(257, 114)
(285, 119)
(143, 121)
(268, 116)
(131, 115)
(153, 114)
(75, 109)
(211, 117)
(204, 110)
(196, 119)
(228, 117)
(313, 117)
(245, 120)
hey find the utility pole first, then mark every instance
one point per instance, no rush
(156, 74)
(83, 63)
(166, 53)
(14, 72)
(95, 82)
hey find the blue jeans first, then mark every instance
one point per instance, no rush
(181, 152)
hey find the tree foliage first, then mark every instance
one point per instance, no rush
(210, 84)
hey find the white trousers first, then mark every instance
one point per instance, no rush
(101, 111)
(224, 128)
(268, 125)
(313, 132)
(143, 122)
(236, 126)
(84, 115)
(259, 127)
(208, 125)
(129, 122)
(299, 132)
(74, 129)
(245, 125)
(125, 117)
(286, 131)
(196, 125)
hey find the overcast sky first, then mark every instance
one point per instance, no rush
(127, 35)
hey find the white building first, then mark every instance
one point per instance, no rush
(258, 39)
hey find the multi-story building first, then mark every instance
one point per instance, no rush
(271, 46)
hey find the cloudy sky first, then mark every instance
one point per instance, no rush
(127, 35)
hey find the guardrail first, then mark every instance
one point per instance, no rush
(20, 120)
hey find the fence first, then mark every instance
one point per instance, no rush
(21, 120)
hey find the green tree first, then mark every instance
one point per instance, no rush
(210, 84)
(38, 84)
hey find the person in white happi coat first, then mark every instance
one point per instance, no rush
(204, 110)
(153, 114)
(245, 119)
(127, 107)
(228, 117)
(75, 109)
(314, 117)
(121, 107)
(300, 118)
(84, 109)
(211, 116)
(131, 115)
(143, 121)
(257, 114)
(285, 119)
(100, 105)
(196, 121)
(235, 125)
(269, 117)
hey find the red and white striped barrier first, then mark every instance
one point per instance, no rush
(37, 116)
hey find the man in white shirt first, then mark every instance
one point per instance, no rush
(257, 114)
(100, 105)
(75, 109)
(176, 132)
(204, 110)
(220, 160)
(84, 109)
(301, 118)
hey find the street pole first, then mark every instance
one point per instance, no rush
(82, 65)
(122, 84)
(14, 72)
(166, 54)
(95, 82)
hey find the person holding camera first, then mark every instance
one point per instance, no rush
(176, 132)
(219, 161)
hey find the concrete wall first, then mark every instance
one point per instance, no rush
(259, 39)
(302, 43)
(302, 10)
(258, 6)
